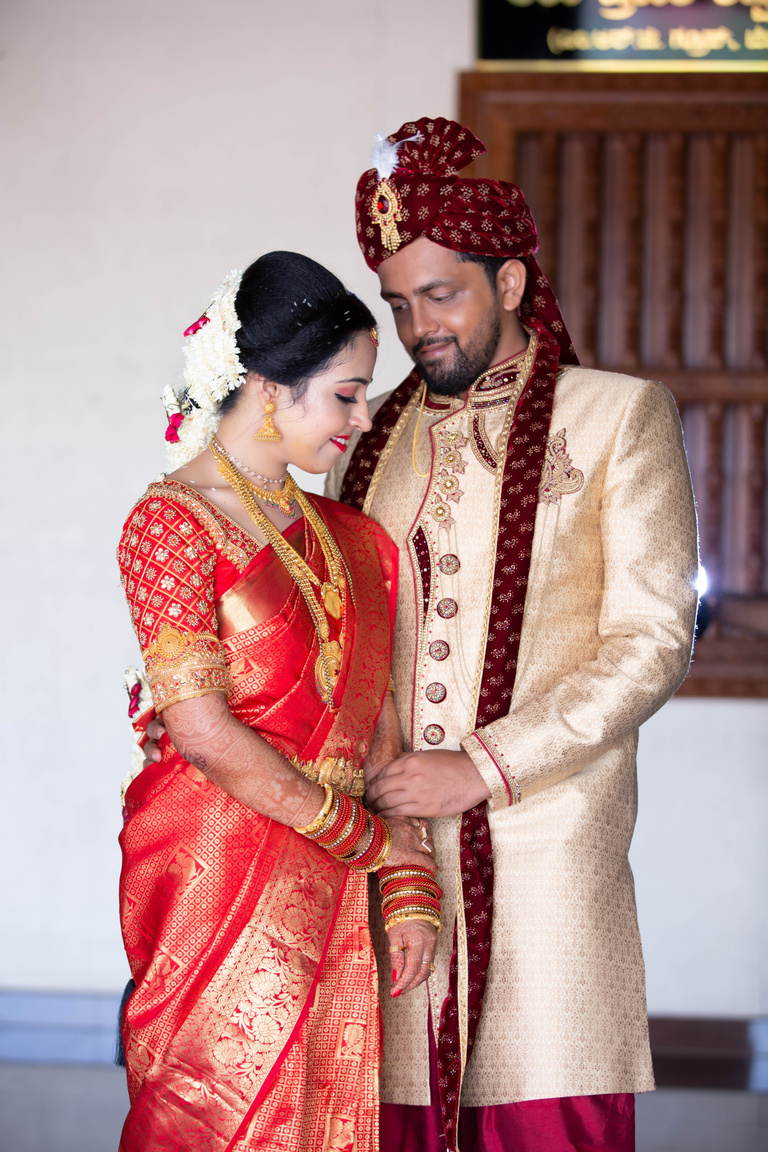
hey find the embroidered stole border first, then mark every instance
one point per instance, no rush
(359, 473)
(519, 498)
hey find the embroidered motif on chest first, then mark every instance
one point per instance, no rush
(559, 477)
(449, 462)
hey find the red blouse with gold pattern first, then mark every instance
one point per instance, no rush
(168, 555)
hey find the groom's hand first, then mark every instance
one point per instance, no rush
(433, 783)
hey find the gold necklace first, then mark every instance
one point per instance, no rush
(244, 467)
(328, 663)
(281, 498)
(330, 590)
(287, 504)
(421, 475)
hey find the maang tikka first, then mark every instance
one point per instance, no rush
(268, 431)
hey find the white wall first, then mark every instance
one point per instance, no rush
(699, 857)
(149, 148)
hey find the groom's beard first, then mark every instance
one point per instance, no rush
(463, 366)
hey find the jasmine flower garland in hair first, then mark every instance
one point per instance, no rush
(212, 371)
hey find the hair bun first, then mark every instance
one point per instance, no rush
(295, 318)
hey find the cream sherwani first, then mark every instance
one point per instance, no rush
(606, 640)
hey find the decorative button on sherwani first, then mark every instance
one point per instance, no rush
(439, 650)
(434, 734)
(447, 608)
(435, 692)
(449, 564)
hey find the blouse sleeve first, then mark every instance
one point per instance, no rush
(167, 567)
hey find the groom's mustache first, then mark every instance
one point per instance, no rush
(428, 340)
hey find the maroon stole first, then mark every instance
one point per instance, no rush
(519, 499)
(360, 470)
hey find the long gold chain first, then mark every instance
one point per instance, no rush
(329, 660)
(421, 475)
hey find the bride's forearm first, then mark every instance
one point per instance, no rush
(387, 741)
(239, 761)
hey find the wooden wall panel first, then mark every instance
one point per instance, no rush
(661, 288)
(577, 229)
(650, 193)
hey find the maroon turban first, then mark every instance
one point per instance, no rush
(416, 190)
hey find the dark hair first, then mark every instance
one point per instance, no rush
(296, 317)
(490, 264)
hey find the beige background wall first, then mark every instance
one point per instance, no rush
(149, 148)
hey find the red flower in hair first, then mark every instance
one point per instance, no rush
(198, 324)
(172, 431)
(133, 699)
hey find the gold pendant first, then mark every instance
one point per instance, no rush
(327, 668)
(285, 505)
(332, 600)
(283, 500)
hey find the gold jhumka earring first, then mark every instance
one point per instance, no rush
(268, 431)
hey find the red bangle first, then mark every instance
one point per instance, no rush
(408, 901)
(376, 845)
(350, 841)
(343, 817)
(411, 894)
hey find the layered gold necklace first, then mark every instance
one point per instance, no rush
(278, 498)
(331, 592)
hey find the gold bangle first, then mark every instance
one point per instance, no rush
(409, 873)
(401, 918)
(319, 819)
(391, 686)
(409, 892)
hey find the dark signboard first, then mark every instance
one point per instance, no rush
(713, 32)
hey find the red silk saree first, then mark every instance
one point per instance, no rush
(254, 1022)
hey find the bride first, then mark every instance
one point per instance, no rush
(264, 617)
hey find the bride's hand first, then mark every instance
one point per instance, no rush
(411, 949)
(152, 753)
(412, 843)
(387, 742)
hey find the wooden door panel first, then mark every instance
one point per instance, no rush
(650, 194)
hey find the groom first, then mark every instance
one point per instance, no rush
(548, 554)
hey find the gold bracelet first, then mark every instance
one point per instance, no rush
(391, 686)
(398, 892)
(320, 818)
(414, 873)
(402, 917)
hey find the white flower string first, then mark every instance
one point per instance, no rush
(212, 371)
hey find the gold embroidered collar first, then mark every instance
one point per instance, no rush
(502, 381)
(496, 386)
